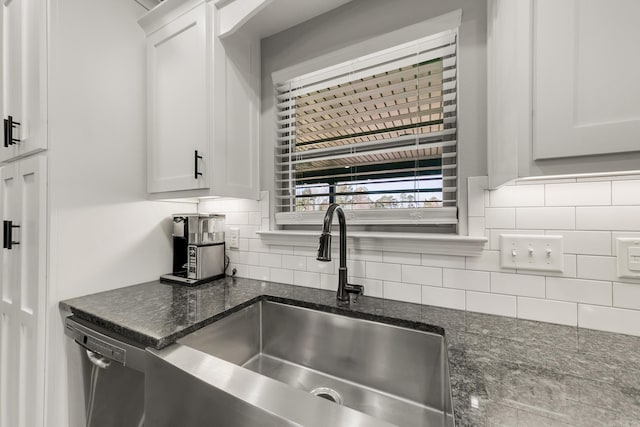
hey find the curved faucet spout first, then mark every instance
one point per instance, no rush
(324, 251)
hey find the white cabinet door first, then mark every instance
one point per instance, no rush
(585, 77)
(23, 85)
(178, 92)
(23, 292)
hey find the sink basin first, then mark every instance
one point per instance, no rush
(354, 371)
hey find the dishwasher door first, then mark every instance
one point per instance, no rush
(113, 374)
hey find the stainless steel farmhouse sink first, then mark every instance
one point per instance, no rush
(274, 364)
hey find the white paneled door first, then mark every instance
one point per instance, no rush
(22, 292)
(586, 95)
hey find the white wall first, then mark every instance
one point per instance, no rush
(361, 20)
(588, 213)
(104, 233)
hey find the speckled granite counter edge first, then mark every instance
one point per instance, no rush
(161, 342)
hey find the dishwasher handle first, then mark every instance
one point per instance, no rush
(98, 360)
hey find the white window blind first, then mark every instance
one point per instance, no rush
(376, 135)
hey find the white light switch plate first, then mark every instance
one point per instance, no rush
(532, 252)
(628, 249)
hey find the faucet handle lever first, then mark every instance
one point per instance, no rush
(354, 289)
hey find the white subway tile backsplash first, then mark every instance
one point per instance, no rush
(448, 261)
(327, 267)
(402, 292)
(609, 319)
(443, 297)
(294, 262)
(401, 258)
(360, 255)
(356, 268)
(557, 218)
(253, 258)
(597, 267)
(487, 261)
(623, 218)
(242, 270)
(514, 196)
(500, 218)
(466, 279)
(254, 218)
(578, 194)
(518, 284)
(258, 273)
(625, 193)
(372, 287)
(282, 250)
(329, 282)
(256, 245)
(237, 257)
(570, 269)
(382, 271)
(578, 290)
(281, 275)
(422, 275)
(564, 313)
(237, 218)
(501, 305)
(248, 231)
(306, 278)
(577, 209)
(584, 242)
(626, 295)
(271, 260)
(307, 251)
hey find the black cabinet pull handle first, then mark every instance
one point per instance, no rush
(7, 133)
(9, 125)
(7, 241)
(196, 174)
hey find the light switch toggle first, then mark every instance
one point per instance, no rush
(543, 252)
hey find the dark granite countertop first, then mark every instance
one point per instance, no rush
(504, 371)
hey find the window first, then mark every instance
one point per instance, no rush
(376, 135)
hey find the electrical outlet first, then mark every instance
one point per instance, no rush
(628, 249)
(234, 238)
(531, 252)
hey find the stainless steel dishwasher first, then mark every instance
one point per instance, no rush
(113, 376)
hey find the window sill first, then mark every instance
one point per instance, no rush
(423, 243)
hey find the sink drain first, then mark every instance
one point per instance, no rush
(327, 393)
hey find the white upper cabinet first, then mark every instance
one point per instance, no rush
(203, 104)
(178, 104)
(586, 69)
(23, 79)
(563, 92)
